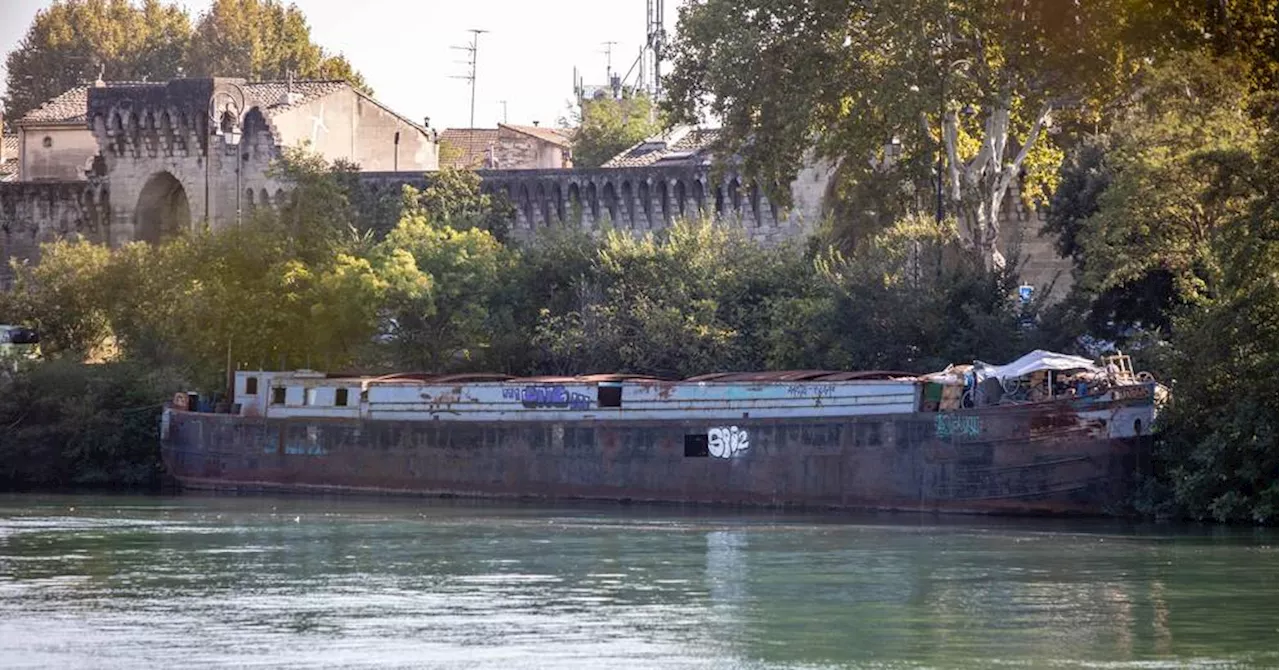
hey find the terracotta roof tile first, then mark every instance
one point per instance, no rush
(557, 136)
(474, 143)
(72, 106)
(682, 146)
(269, 95)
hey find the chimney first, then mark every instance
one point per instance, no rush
(290, 97)
(535, 124)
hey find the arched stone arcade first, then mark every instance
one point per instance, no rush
(638, 199)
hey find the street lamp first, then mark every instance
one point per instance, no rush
(226, 104)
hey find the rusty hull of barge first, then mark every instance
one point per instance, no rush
(1042, 458)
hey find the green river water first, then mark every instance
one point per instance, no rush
(154, 582)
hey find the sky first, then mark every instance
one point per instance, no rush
(403, 49)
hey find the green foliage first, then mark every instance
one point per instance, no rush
(438, 320)
(670, 305)
(1217, 450)
(906, 299)
(607, 126)
(1216, 454)
(62, 296)
(262, 40)
(1142, 207)
(66, 424)
(974, 80)
(453, 198)
(1161, 211)
(73, 41)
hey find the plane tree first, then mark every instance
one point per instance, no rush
(904, 89)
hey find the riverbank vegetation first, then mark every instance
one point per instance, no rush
(1159, 173)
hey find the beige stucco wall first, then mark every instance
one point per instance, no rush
(70, 154)
(348, 125)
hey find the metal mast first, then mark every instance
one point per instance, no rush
(655, 42)
(471, 50)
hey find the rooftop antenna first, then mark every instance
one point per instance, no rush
(655, 43)
(608, 60)
(471, 50)
(504, 110)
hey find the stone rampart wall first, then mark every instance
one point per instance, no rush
(637, 199)
(33, 213)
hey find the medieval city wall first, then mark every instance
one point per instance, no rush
(34, 213)
(637, 199)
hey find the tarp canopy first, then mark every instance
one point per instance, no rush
(1037, 361)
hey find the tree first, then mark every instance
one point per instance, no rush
(906, 298)
(73, 41)
(1161, 213)
(438, 316)
(262, 40)
(607, 126)
(453, 198)
(690, 300)
(62, 297)
(870, 84)
(1217, 447)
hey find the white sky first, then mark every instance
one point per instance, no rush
(402, 48)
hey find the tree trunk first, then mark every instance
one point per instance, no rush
(978, 187)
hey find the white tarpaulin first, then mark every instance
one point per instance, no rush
(1037, 361)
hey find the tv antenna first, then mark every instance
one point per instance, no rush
(470, 76)
(608, 60)
(648, 64)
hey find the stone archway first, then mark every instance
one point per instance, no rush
(162, 210)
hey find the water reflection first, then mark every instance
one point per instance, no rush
(230, 581)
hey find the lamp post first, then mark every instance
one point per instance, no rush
(226, 104)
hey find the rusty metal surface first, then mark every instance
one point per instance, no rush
(769, 376)
(1042, 459)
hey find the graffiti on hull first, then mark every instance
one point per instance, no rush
(727, 441)
(548, 396)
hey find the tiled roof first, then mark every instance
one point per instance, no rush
(682, 145)
(71, 106)
(269, 95)
(557, 136)
(9, 146)
(474, 143)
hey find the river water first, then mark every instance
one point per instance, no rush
(138, 582)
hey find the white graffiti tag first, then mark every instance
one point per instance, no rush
(727, 442)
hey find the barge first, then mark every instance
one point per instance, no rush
(1047, 434)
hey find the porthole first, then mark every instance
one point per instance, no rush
(47, 142)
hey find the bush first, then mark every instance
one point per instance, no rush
(66, 424)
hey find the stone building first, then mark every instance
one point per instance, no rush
(138, 160)
(54, 142)
(507, 147)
